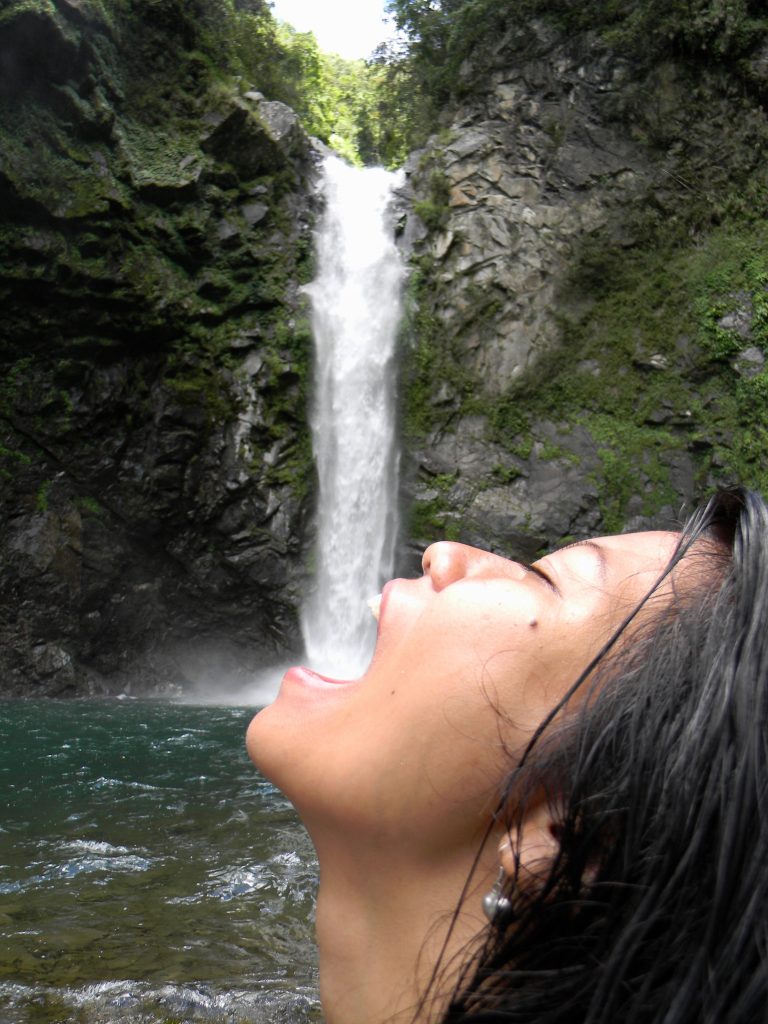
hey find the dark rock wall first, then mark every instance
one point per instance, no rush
(155, 227)
(585, 348)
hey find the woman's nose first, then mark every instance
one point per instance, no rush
(446, 562)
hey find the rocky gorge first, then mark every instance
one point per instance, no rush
(584, 347)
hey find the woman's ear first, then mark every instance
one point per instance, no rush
(528, 853)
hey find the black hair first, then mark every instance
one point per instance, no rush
(654, 908)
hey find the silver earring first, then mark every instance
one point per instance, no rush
(495, 905)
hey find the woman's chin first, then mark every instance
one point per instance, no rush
(281, 733)
(273, 741)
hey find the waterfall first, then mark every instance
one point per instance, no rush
(356, 307)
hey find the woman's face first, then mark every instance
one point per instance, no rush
(469, 659)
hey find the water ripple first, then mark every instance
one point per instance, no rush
(148, 857)
(108, 1002)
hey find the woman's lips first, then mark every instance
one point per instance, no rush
(384, 598)
(378, 603)
(308, 677)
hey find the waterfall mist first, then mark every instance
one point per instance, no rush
(356, 307)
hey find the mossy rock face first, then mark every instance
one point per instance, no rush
(586, 344)
(255, 138)
(40, 48)
(149, 281)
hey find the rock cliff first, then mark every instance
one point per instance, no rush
(584, 350)
(155, 226)
(586, 342)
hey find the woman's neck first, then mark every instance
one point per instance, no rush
(384, 923)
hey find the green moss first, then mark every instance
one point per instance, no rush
(655, 337)
(154, 279)
(295, 468)
(17, 7)
(15, 454)
(41, 498)
(428, 357)
(113, 258)
(12, 459)
(15, 379)
(292, 336)
(88, 505)
(159, 156)
(505, 474)
(38, 162)
(434, 209)
(626, 451)
(510, 426)
(550, 452)
(657, 334)
(204, 389)
(431, 520)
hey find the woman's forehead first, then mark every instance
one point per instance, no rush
(652, 545)
(626, 564)
(650, 550)
(636, 556)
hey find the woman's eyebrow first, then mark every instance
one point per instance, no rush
(598, 550)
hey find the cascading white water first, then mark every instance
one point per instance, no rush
(356, 307)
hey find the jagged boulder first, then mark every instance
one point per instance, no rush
(254, 136)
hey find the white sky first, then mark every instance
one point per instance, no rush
(353, 28)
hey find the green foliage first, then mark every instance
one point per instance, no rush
(444, 34)
(406, 110)
(627, 448)
(434, 209)
(427, 358)
(338, 100)
(724, 320)
(667, 303)
(651, 369)
(16, 7)
(351, 105)
(335, 97)
(41, 498)
(11, 459)
(549, 452)
(194, 44)
(505, 474)
(254, 48)
(510, 425)
(431, 520)
(88, 505)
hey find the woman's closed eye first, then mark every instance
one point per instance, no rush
(540, 573)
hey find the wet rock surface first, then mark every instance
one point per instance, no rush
(562, 163)
(154, 458)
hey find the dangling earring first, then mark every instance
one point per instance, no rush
(496, 906)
